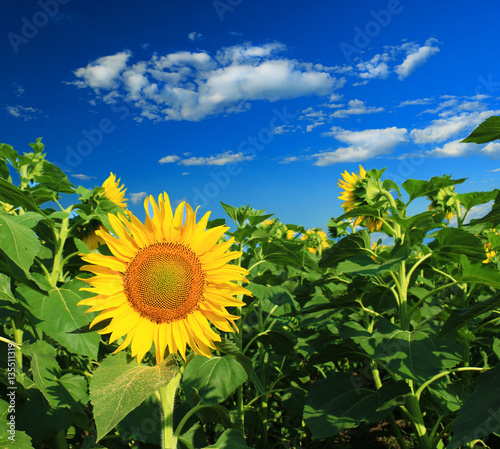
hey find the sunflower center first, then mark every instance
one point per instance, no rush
(164, 282)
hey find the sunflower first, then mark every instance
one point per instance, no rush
(357, 189)
(315, 240)
(166, 281)
(489, 253)
(444, 201)
(114, 192)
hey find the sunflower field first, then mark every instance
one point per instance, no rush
(186, 331)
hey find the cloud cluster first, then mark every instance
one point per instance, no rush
(25, 113)
(195, 85)
(227, 157)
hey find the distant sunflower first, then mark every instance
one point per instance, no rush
(354, 195)
(165, 282)
(315, 239)
(489, 253)
(114, 192)
(444, 201)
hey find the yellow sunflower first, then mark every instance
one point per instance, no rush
(315, 240)
(114, 192)
(489, 253)
(355, 194)
(166, 281)
(92, 240)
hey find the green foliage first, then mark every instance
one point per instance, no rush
(394, 332)
(487, 131)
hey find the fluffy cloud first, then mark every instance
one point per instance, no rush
(26, 113)
(228, 157)
(356, 107)
(193, 86)
(446, 128)
(136, 198)
(415, 58)
(363, 145)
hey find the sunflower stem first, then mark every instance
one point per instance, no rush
(167, 396)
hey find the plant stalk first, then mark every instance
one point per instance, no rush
(167, 396)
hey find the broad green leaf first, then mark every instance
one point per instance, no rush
(460, 317)
(54, 178)
(8, 153)
(479, 273)
(492, 217)
(353, 245)
(486, 132)
(480, 414)
(417, 188)
(143, 423)
(18, 242)
(471, 199)
(59, 316)
(365, 266)
(415, 355)
(217, 414)
(451, 243)
(214, 379)
(47, 374)
(11, 194)
(281, 341)
(342, 402)
(230, 439)
(228, 347)
(119, 386)
(28, 219)
(285, 254)
(77, 388)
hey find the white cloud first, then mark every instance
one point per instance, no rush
(419, 101)
(375, 68)
(219, 159)
(356, 107)
(287, 160)
(194, 36)
(363, 145)
(26, 113)
(415, 58)
(310, 127)
(446, 128)
(83, 177)
(104, 72)
(228, 157)
(492, 150)
(169, 159)
(136, 198)
(453, 149)
(193, 86)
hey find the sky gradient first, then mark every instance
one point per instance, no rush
(252, 102)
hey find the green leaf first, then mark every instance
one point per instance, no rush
(59, 316)
(341, 402)
(480, 414)
(415, 355)
(229, 347)
(54, 178)
(460, 317)
(417, 188)
(353, 245)
(47, 374)
(479, 273)
(11, 194)
(451, 243)
(365, 266)
(214, 379)
(492, 217)
(18, 242)
(217, 414)
(118, 387)
(486, 132)
(471, 199)
(230, 439)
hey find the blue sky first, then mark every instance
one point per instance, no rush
(252, 102)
